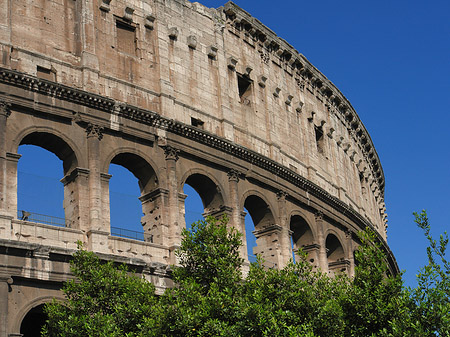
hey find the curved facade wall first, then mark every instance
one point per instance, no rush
(176, 93)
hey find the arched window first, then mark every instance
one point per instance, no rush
(250, 236)
(125, 206)
(264, 231)
(42, 198)
(193, 206)
(33, 322)
(203, 198)
(40, 193)
(335, 255)
(302, 238)
(148, 227)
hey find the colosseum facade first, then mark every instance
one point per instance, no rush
(176, 93)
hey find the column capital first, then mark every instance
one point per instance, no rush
(171, 153)
(93, 130)
(234, 175)
(318, 216)
(5, 108)
(348, 233)
(282, 195)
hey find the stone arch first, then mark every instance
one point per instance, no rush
(152, 197)
(138, 164)
(336, 257)
(38, 302)
(303, 237)
(58, 144)
(54, 141)
(303, 233)
(209, 190)
(266, 231)
(256, 193)
(260, 211)
(132, 152)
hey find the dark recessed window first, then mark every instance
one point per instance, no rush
(319, 139)
(197, 122)
(46, 73)
(245, 89)
(126, 38)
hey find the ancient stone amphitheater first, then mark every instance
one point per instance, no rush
(178, 94)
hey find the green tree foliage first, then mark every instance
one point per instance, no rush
(432, 296)
(213, 298)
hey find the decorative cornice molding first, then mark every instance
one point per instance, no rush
(151, 118)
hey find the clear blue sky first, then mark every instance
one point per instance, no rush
(391, 59)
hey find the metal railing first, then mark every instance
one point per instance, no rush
(42, 218)
(128, 234)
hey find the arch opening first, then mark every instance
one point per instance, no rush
(55, 145)
(33, 322)
(264, 232)
(302, 238)
(250, 236)
(41, 197)
(135, 202)
(193, 206)
(203, 198)
(335, 255)
(208, 191)
(125, 206)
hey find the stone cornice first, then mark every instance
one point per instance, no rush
(151, 118)
(56, 90)
(287, 56)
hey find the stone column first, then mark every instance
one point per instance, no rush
(155, 213)
(268, 245)
(242, 215)
(285, 236)
(313, 252)
(174, 230)
(11, 181)
(4, 114)
(94, 135)
(5, 283)
(106, 216)
(323, 260)
(351, 259)
(76, 205)
(236, 220)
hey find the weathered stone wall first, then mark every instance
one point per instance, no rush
(178, 94)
